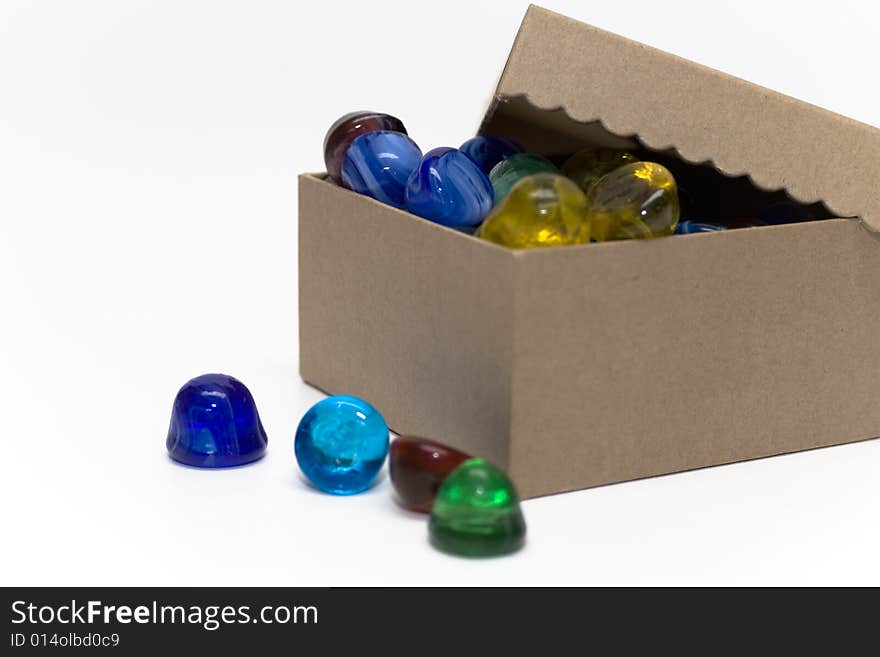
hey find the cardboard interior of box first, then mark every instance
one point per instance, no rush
(578, 366)
(705, 193)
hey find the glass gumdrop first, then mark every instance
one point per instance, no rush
(637, 200)
(543, 209)
(215, 424)
(340, 445)
(588, 165)
(687, 227)
(379, 163)
(511, 170)
(348, 128)
(449, 189)
(477, 512)
(417, 467)
(486, 151)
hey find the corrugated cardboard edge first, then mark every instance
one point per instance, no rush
(704, 115)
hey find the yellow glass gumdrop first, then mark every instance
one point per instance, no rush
(544, 209)
(636, 200)
(589, 165)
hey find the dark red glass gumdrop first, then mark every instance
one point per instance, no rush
(417, 467)
(346, 129)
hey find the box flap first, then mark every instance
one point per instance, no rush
(572, 83)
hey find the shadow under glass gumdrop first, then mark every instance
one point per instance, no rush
(340, 445)
(477, 513)
(215, 424)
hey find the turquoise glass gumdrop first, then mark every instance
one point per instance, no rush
(340, 445)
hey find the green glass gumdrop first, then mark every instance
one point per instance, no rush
(476, 512)
(507, 173)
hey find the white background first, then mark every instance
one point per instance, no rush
(148, 161)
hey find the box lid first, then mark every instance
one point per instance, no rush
(573, 83)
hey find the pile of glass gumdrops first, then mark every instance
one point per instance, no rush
(341, 445)
(490, 187)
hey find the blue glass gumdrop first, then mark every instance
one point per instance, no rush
(448, 188)
(486, 152)
(215, 424)
(341, 443)
(688, 226)
(379, 163)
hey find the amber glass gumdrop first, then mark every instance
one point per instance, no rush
(543, 209)
(587, 166)
(636, 200)
(418, 467)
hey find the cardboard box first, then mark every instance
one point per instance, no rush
(585, 365)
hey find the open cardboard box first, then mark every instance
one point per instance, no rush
(584, 365)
